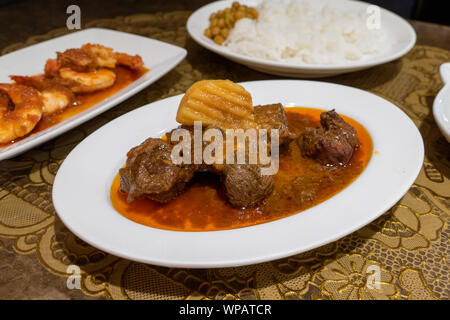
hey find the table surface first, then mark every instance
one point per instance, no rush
(409, 243)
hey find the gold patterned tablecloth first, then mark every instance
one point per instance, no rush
(409, 243)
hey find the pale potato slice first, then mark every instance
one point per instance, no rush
(222, 103)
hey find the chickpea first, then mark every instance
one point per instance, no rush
(208, 33)
(219, 39)
(215, 31)
(239, 15)
(254, 13)
(229, 21)
(225, 32)
(222, 21)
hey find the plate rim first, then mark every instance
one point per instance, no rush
(264, 258)
(264, 63)
(88, 114)
(438, 111)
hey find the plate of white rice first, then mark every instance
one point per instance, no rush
(308, 38)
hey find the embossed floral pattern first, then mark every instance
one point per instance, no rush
(349, 277)
(412, 224)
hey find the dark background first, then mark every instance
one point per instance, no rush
(425, 10)
(436, 11)
(19, 19)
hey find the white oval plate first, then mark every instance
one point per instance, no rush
(81, 191)
(401, 33)
(158, 56)
(441, 104)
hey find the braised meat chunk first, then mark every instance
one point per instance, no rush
(244, 184)
(273, 116)
(332, 143)
(150, 172)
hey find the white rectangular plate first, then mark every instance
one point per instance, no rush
(158, 56)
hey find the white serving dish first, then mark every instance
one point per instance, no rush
(158, 56)
(401, 33)
(81, 191)
(441, 104)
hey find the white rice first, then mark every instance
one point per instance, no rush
(295, 32)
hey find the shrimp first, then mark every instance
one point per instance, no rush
(5, 101)
(87, 69)
(107, 58)
(103, 56)
(52, 67)
(55, 95)
(88, 81)
(132, 62)
(20, 111)
(76, 59)
(92, 56)
(55, 100)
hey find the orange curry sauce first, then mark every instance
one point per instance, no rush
(299, 184)
(124, 77)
